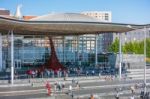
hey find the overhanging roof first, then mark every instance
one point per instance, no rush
(69, 26)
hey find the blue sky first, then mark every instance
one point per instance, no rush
(125, 11)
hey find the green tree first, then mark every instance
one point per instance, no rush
(136, 47)
(114, 47)
(148, 47)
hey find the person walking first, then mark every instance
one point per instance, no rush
(99, 75)
(92, 96)
(63, 86)
(77, 85)
(48, 87)
(70, 89)
(86, 73)
(117, 95)
(132, 89)
(132, 97)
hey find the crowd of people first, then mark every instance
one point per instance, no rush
(46, 73)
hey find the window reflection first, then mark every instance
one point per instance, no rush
(34, 50)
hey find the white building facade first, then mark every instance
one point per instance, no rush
(103, 16)
(103, 40)
(135, 35)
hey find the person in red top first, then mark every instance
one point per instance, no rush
(48, 87)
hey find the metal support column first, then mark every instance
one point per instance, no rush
(78, 50)
(145, 59)
(120, 56)
(96, 50)
(82, 51)
(12, 58)
(63, 49)
(1, 62)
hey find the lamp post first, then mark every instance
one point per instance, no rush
(96, 50)
(145, 59)
(120, 56)
(12, 58)
(144, 56)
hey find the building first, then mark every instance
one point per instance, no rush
(135, 35)
(104, 40)
(31, 45)
(103, 16)
(25, 46)
(4, 12)
(28, 17)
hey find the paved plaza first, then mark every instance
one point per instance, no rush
(106, 89)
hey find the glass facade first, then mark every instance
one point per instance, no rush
(32, 50)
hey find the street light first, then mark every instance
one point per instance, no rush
(120, 56)
(145, 59)
(145, 30)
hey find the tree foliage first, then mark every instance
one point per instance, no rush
(148, 47)
(114, 46)
(136, 47)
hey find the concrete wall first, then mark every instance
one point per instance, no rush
(129, 61)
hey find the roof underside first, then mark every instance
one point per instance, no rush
(62, 27)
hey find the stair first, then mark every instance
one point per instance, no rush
(138, 73)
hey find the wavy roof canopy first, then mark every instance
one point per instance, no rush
(63, 24)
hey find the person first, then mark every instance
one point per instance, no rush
(72, 94)
(15, 74)
(99, 75)
(55, 86)
(47, 73)
(38, 73)
(59, 86)
(77, 85)
(60, 73)
(57, 73)
(73, 81)
(53, 74)
(92, 96)
(142, 95)
(33, 73)
(132, 97)
(112, 77)
(78, 71)
(117, 95)
(70, 89)
(147, 95)
(29, 73)
(93, 72)
(48, 87)
(87, 73)
(132, 89)
(65, 75)
(63, 86)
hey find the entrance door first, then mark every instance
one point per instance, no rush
(17, 63)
